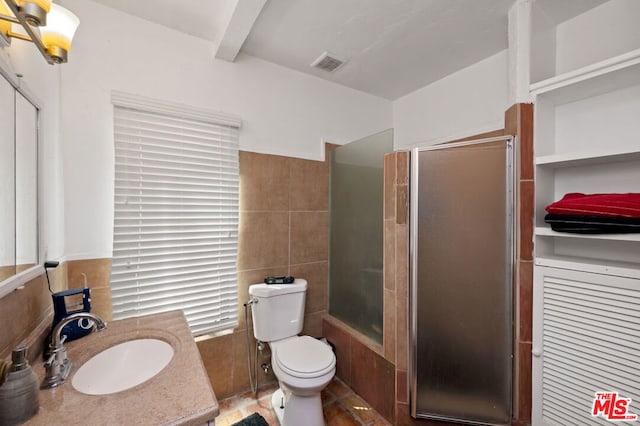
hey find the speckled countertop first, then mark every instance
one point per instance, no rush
(179, 395)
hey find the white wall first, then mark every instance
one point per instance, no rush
(470, 101)
(600, 33)
(284, 112)
(543, 45)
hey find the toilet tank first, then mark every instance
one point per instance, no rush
(278, 310)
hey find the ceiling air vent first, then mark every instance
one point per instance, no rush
(328, 62)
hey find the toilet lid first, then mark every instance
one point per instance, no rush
(305, 357)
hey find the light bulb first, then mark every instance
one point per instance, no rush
(59, 31)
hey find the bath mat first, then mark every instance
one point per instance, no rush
(253, 420)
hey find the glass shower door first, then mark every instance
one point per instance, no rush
(356, 233)
(461, 282)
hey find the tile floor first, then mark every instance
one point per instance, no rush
(341, 406)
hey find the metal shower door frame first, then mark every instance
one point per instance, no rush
(510, 225)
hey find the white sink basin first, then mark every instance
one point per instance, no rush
(122, 366)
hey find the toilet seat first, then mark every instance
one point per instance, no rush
(305, 357)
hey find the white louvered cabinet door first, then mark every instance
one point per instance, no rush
(586, 339)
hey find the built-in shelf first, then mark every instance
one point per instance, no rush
(586, 140)
(543, 231)
(596, 79)
(573, 159)
(585, 128)
(621, 269)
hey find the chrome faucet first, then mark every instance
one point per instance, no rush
(58, 366)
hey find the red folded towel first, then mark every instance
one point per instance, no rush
(622, 205)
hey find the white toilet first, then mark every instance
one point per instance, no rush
(302, 364)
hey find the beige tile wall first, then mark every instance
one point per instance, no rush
(7, 271)
(519, 122)
(396, 266)
(283, 231)
(26, 313)
(396, 242)
(97, 272)
(360, 364)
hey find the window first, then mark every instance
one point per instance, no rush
(175, 213)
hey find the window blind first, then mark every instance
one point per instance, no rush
(175, 216)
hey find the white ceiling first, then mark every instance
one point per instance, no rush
(202, 18)
(392, 47)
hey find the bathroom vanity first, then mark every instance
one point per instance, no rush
(180, 394)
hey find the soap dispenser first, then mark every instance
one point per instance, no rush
(19, 394)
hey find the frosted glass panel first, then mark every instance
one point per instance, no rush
(462, 283)
(356, 233)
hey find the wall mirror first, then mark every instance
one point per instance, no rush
(18, 183)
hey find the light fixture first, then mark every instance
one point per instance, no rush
(48, 25)
(35, 11)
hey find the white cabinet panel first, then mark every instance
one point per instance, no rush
(586, 339)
